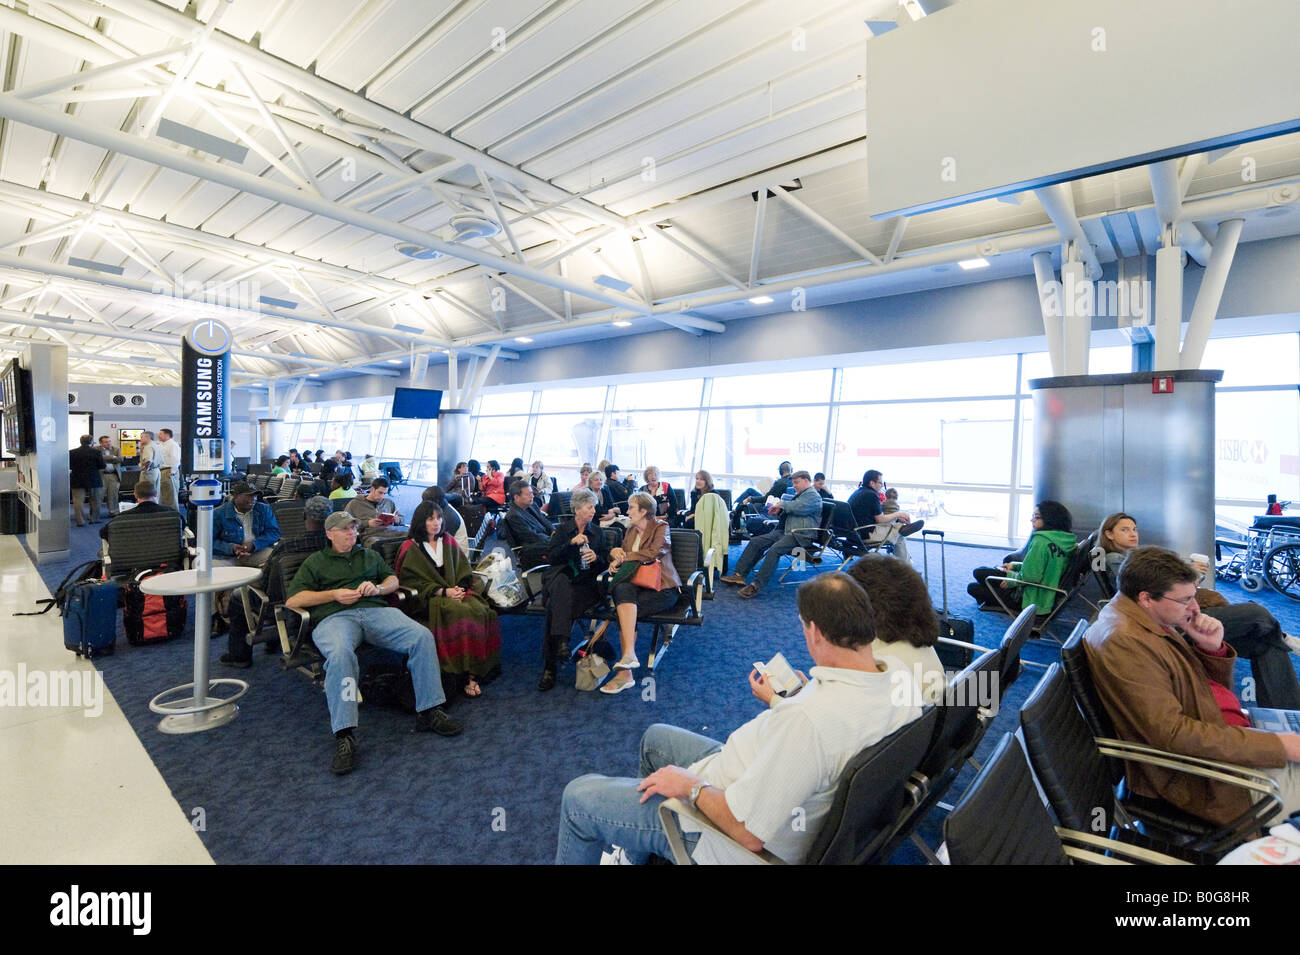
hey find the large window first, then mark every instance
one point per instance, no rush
(941, 431)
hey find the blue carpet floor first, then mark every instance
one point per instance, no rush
(491, 795)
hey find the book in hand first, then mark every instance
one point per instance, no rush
(780, 675)
(388, 519)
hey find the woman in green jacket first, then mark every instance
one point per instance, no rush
(1046, 557)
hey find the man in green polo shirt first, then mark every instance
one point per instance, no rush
(343, 587)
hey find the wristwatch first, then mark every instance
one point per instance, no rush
(696, 790)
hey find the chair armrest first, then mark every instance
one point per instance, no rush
(815, 534)
(292, 625)
(669, 812)
(962, 643)
(709, 554)
(1096, 845)
(696, 583)
(532, 579)
(1243, 777)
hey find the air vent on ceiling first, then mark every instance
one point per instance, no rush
(125, 399)
(72, 399)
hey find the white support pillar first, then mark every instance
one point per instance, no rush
(290, 396)
(1210, 293)
(453, 385)
(1169, 303)
(1078, 301)
(1050, 301)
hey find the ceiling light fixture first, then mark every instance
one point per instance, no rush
(608, 281)
(413, 251)
(524, 339)
(394, 361)
(976, 263)
(621, 324)
(761, 300)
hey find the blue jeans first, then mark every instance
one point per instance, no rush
(599, 811)
(772, 546)
(338, 636)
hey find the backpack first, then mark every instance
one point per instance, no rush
(90, 570)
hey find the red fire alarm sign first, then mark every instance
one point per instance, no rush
(1162, 386)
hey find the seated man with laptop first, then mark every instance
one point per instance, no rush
(1162, 671)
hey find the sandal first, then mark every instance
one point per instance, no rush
(472, 689)
(617, 685)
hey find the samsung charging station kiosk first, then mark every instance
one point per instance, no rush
(205, 396)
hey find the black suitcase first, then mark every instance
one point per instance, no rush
(473, 515)
(954, 628)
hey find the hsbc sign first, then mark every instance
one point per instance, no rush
(1243, 451)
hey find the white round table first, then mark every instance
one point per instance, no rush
(199, 711)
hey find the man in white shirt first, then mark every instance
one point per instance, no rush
(169, 461)
(770, 785)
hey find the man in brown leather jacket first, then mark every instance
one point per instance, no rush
(1163, 673)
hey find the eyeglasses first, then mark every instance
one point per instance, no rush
(1179, 600)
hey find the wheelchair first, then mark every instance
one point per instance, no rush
(1270, 552)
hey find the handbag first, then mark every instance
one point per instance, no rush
(591, 666)
(649, 575)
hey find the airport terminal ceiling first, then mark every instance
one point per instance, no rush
(348, 185)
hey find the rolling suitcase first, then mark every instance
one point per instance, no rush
(90, 618)
(954, 628)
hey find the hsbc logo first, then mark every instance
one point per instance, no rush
(1242, 451)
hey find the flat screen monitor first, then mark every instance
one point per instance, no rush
(19, 415)
(416, 402)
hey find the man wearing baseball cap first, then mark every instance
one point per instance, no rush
(243, 529)
(343, 587)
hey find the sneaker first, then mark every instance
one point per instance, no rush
(239, 663)
(345, 755)
(436, 720)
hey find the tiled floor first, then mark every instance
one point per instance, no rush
(75, 788)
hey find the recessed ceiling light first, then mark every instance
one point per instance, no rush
(977, 263)
(394, 361)
(622, 324)
(761, 300)
(312, 374)
(524, 339)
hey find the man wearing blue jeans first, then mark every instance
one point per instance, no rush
(771, 784)
(343, 587)
(803, 512)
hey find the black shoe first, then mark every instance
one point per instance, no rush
(547, 682)
(345, 755)
(436, 720)
(239, 663)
